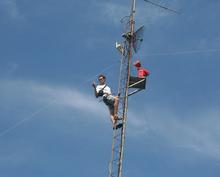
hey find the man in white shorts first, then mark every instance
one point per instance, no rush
(102, 90)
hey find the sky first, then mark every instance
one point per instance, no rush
(51, 125)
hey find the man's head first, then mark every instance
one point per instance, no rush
(101, 79)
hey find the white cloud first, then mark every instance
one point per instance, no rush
(150, 15)
(198, 131)
(9, 9)
(137, 123)
(67, 97)
(112, 12)
(145, 13)
(44, 94)
(38, 98)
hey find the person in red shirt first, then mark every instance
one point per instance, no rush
(141, 72)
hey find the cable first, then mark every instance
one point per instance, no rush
(36, 112)
(33, 114)
(184, 52)
(163, 7)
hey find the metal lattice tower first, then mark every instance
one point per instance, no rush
(127, 82)
(115, 165)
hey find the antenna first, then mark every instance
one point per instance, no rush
(163, 7)
(138, 38)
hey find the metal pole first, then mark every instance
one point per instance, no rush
(127, 85)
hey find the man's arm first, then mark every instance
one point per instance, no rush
(95, 92)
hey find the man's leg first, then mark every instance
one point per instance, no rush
(111, 111)
(116, 108)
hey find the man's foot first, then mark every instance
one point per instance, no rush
(117, 126)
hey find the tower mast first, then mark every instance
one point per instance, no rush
(115, 165)
(132, 39)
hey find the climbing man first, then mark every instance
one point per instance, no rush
(102, 90)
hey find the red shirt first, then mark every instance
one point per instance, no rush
(143, 72)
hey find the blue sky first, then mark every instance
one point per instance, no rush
(50, 123)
